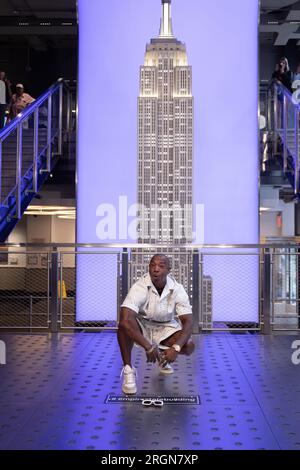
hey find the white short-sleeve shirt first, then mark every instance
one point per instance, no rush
(2, 92)
(144, 299)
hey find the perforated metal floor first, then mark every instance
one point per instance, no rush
(53, 391)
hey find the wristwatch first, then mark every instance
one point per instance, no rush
(176, 347)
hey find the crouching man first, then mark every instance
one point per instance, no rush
(156, 315)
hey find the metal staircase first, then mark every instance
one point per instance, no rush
(283, 115)
(30, 147)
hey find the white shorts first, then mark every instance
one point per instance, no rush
(156, 333)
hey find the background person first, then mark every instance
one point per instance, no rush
(19, 101)
(5, 97)
(283, 74)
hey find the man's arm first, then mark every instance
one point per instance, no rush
(187, 329)
(182, 337)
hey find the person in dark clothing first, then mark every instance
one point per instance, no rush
(283, 74)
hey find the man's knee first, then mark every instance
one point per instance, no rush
(188, 348)
(126, 318)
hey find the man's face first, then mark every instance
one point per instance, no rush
(19, 90)
(158, 270)
(2, 75)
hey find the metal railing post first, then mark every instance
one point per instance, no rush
(35, 150)
(201, 290)
(19, 171)
(48, 291)
(49, 133)
(196, 286)
(124, 280)
(54, 291)
(60, 266)
(69, 111)
(267, 291)
(269, 107)
(297, 286)
(30, 313)
(60, 118)
(285, 124)
(296, 161)
(118, 286)
(0, 172)
(275, 119)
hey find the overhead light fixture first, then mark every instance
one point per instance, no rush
(51, 210)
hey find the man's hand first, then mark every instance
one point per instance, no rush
(153, 354)
(168, 355)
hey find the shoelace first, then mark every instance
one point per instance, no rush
(165, 365)
(134, 371)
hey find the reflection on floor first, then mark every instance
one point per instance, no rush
(53, 391)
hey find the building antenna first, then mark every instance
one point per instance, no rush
(166, 30)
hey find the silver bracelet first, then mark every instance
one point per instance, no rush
(149, 351)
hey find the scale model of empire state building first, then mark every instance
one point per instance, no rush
(165, 151)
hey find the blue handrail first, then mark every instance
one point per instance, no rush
(287, 93)
(288, 134)
(29, 110)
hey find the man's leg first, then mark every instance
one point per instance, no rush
(125, 340)
(128, 332)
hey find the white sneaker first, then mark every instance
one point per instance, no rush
(167, 369)
(129, 380)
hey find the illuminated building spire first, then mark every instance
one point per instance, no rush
(166, 21)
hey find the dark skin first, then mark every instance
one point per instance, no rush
(19, 91)
(129, 331)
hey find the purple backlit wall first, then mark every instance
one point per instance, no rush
(221, 39)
